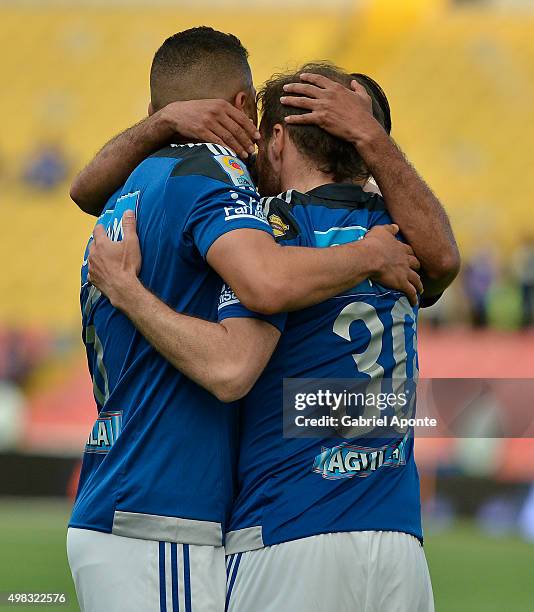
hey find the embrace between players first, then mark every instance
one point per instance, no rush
(198, 299)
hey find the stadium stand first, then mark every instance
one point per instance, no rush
(74, 78)
(78, 77)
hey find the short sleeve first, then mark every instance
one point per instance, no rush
(231, 308)
(287, 232)
(221, 198)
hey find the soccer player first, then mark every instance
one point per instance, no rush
(156, 487)
(318, 524)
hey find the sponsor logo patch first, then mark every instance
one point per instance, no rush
(347, 461)
(244, 207)
(227, 297)
(112, 219)
(104, 433)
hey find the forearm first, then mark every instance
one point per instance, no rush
(413, 207)
(114, 163)
(199, 349)
(297, 277)
(349, 115)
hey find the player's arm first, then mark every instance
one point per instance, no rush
(228, 357)
(268, 278)
(225, 358)
(197, 120)
(412, 204)
(229, 229)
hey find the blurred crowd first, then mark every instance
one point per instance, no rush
(46, 168)
(491, 292)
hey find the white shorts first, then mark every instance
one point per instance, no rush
(368, 571)
(116, 574)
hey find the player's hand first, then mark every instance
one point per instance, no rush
(213, 121)
(395, 261)
(345, 113)
(113, 266)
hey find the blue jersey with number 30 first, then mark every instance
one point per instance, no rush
(291, 488)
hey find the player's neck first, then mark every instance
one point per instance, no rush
(301, 176)
(305, 179)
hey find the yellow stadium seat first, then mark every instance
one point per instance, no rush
(460, 82)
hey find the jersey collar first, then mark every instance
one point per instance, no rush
(343, 192)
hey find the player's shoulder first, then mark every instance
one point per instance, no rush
(279, 213)
(209, 160)
(294, 213)
(336, 202)
(335, 196)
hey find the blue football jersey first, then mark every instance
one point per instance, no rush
(159, 462)
(291, 488)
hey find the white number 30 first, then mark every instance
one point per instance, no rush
(367, 361)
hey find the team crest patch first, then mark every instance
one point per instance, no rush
(279, 227)
(236, 170)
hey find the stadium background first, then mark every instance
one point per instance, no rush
(460, 78)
